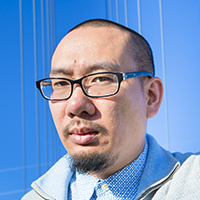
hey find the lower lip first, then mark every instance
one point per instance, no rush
(82, 138)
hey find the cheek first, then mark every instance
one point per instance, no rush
(129, 114)
(108, 112)
(58, 114)
(112, 118)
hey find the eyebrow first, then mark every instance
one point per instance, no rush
(108, 66)
(60, 71)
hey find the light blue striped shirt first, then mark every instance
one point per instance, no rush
(121, 185)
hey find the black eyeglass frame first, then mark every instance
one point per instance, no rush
(120, 76)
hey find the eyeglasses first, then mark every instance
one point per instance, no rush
(100, 84)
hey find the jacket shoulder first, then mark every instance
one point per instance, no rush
(185, 184)
(182, 157)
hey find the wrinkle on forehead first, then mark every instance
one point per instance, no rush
(102, 66)
(80, 46)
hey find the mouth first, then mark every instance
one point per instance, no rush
(84, 132)
(83, 137)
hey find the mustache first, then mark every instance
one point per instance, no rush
(89, 124)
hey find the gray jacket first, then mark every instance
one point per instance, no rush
(166, 176)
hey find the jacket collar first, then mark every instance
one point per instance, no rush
(56, 181)
(160, 166)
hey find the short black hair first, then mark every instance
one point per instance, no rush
(139, 47)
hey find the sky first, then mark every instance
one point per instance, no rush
(29, 143)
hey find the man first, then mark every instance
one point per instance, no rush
(101, 92)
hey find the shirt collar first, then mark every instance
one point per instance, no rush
(123, 183)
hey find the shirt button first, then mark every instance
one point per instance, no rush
(104, 187)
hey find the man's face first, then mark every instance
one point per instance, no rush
(113, 126)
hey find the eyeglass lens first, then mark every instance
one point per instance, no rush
(95, 85)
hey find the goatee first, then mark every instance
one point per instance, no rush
(92, 163)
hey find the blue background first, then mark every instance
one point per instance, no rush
(29, 144)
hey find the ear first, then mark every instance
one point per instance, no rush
(154, 94)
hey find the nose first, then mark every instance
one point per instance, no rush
(79, 104)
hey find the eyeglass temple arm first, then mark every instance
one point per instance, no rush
(136, 74)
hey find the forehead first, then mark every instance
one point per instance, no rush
(90, 47)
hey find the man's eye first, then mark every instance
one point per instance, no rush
(102, 79)
(61, 84)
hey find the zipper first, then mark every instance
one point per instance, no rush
(159, 185)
